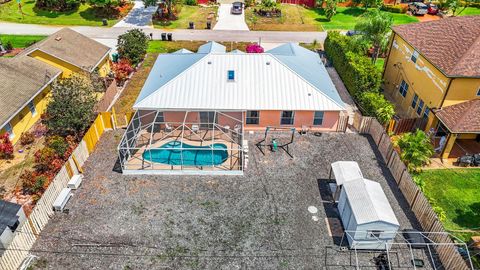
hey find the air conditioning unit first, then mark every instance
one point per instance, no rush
(75, 181)
(62, 199)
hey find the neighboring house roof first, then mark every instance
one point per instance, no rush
(212, 47)
(72, 47)
(368, 202)
(451, 44)
(8, 214)
(21, 79)
(264, 81)
(183, 51)
(462, 117)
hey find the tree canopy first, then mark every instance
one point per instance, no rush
(133, 45)
(375, 28)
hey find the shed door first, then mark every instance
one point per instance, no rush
(346, 215)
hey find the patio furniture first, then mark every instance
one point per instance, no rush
(168, 128)
(195, 128)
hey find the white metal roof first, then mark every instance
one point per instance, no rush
(262, 82)
(368, 202)
(346, 171)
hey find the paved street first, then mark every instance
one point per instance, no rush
(179, 34)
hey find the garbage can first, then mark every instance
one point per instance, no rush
(104, 22)
(191, 25)
(164, 36)
(169, 35)
(115, 57)
(209, 25)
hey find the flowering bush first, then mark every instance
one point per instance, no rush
(6, 146)
(122, 69)
(33, 182)
(254, 48)
(44, 159)
(27, 138)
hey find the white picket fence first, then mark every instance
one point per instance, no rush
(26, 234)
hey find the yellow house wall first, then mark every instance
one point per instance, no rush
(104, 67)
(423, 78)
(461, 90)
(24, 120)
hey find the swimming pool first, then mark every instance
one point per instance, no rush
(171, 154)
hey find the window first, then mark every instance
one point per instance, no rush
(420, 107)
(403, 88)
(252, 117)
(231, 75)
(9, 129)
(414, 57)
(318, 118)
(287, 118)
(478, 92)
(414, 101)
(374, 233)
(31, 106)
(159, 118)
(426, 112)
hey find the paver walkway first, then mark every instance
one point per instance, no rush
(344, 94)
(229, 21)
(138, 17)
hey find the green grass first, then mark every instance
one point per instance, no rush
(470, 11)
(457, 192)
(298, 18)
(196, 14)
(84, 15)
(158, 46)
(20, 41)
(379, 63)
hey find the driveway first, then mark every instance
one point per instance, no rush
(139, 16)
(228, 21)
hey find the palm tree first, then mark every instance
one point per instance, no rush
(375, 28)
(415, 148)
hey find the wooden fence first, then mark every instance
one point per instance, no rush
(26, 234)
(399, 126)
(423, 211)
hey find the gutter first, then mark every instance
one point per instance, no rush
(446, 92)
(101, 59)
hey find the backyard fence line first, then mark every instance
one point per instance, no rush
(26, 234)
(418, 202)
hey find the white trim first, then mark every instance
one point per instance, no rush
(182, 172)
(103, 57)
(34, 96)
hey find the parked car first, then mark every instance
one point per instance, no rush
(418, 8)
(237, 8)
(353, 33)
(432, 9)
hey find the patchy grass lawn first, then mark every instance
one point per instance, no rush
(457, 192)
(20, 41)
(470, 11)
(84, 15)
(298, 18)
(158, 46)
(196, 14)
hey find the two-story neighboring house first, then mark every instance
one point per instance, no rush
(433, 71)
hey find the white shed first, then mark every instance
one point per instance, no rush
(343, 171)
(367, 217)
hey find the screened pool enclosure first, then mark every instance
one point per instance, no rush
(183, 142)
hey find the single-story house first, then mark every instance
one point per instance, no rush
(11, 217)
(224, 93)
(71, 52)
(366, 214)
(24, 86)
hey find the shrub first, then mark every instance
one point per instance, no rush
(254, 48)
(40, 130)
(57, 5)
(58, 144)
(358, 72)
(33, 183)
(191, 2)
(44, 159)
(415, 149)
(375, 104)
(9, 46)
(133, 45)
(27, 138)
(394, 8)
(122, 69)
(6, 146)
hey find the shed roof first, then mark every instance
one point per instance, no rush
(8, 214)
(263, 81)
(21, 79)
(72, 47)
(462, 117)
(346, 171)
(368, 202)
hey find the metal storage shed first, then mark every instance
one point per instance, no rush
(343, 171)
(366, 214)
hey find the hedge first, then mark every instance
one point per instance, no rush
(394, 8)
(357, 71)
(360, 76)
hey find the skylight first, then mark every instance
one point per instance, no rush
(231, 75)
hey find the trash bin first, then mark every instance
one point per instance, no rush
(169, 35)
(164, 36)
(115, 57)
(191, 25)
(104, 22)
(209, 25)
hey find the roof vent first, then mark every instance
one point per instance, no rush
(209, 62)
(58, 38)
(268, 63)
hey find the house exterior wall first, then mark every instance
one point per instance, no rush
(461, 90)
(423, 78)
(24, 120)
(301, 118)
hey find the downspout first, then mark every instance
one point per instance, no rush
(389, 52)
(446, 92)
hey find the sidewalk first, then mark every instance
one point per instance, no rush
(229, 21)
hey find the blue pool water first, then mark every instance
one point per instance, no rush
(172, 155)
